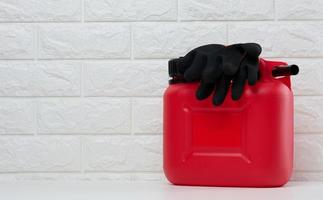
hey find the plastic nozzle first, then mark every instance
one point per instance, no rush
(287, 70)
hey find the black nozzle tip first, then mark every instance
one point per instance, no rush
(294, 69)
(288, 70)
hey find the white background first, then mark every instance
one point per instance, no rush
(81, 81)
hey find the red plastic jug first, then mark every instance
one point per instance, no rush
(240, 143)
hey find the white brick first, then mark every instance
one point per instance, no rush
(39, 79)
(16, 41)
(308, 114)
(130, 10)
(39, 154)
(299, 9)
(84, 116)
(125, 78)
(84, 41)
(123, 153)
(297, 39)
(307, 176)
(17, 116)
(309, 152)
(165, 40)
(40, 10)
(226, 10)
(147, 115)
(309, 81)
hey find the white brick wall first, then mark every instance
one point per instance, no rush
(81, 81)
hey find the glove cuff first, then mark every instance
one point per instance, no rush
(174, 73)
(172, 67)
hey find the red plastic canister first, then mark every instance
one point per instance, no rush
(240, 143)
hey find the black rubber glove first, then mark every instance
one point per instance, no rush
(216, 66)
(234, 63)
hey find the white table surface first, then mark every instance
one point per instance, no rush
(152, 190)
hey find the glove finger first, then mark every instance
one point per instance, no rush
(206, 49)
(195, 70)
(213, 70)
(232, 57)
(252, 49)
(253, 72)
(221, 90)
(238, 83)
(204, 90)
(185, 62)
(209, 77)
